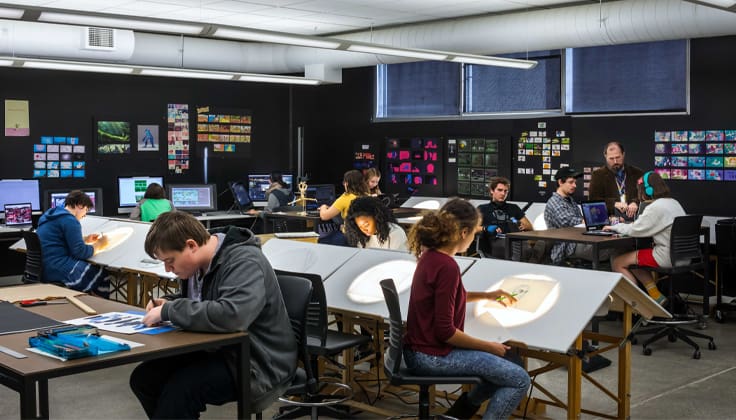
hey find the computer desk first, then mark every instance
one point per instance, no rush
(29, 376)
(208, 218)
(575, 234)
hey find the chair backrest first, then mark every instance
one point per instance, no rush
(316, 322)
(33, 272)
(726, 240)
(297, 293)
(685, 239)
(394, 353)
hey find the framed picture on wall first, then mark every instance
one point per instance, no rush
(148, 140)
(112, 137)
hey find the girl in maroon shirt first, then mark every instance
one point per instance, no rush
(435, 341)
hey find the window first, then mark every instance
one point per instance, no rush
(500, 89)
(647, 77)
(425, 88)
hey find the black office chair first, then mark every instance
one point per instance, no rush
(33, 272)
(684, 247)
(400, 375)
(726, 251)
(327, 344)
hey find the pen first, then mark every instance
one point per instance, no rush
(150, 296)
(500, 298)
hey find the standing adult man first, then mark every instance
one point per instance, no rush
(227, 285)
(615, 183)
(500, 217)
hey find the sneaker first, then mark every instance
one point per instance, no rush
(661, 300)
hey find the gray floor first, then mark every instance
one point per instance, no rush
(669, 384)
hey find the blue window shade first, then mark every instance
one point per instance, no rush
(499, 89)
(425, 88)
(648, 77)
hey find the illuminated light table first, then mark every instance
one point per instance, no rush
(555, 305)
(306, 257)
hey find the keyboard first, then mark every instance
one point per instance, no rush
(599, 233)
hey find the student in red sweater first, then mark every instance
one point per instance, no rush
(435, 341)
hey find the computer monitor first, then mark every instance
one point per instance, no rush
(240, 195)
(55, 198)
(194, 198)
(132, 188)
(258, 183)
(20, 191)
(18, 215)
(323, 193)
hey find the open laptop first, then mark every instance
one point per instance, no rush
(595, 216)
(19, 216)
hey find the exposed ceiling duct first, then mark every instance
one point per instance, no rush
(617, 22)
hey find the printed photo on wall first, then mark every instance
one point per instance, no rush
(113, 137)
(147, 138)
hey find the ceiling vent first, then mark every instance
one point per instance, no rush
(99, 39)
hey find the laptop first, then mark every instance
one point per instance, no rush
(19, 216)
(241, 197)
(595, 216)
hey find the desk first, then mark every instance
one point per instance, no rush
(572, 234)
(208, 218)
(29, 377)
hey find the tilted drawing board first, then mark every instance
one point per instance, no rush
(427, 203)
(355, 286)
(305, 257)
(554, 303)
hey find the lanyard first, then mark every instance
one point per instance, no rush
(621, 185)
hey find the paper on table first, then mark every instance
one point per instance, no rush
(119, 322)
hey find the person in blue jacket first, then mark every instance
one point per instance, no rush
(65, 250)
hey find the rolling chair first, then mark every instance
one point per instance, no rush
(33, 271)
(684, 246)
(326, 344)
(726, 251)
(400, 375)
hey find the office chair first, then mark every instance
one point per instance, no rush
(726, 252)
(33, 271)
(400, 375)
(326, 344)
(684, 247)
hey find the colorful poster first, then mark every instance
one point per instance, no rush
(178, 137)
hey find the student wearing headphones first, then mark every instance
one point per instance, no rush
(655, 222)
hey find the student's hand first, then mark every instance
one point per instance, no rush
(499, 349)
(100, 243)
(153, 315)
(154, 303)
(502, 297)
(607, 228)
(631, 210)
(253, 211)
(91, 238)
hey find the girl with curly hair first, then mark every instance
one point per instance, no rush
(370, 224)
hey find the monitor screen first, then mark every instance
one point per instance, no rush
(56, 198)
(193, 197)
(240, 195)
(20, 191)
(259, 183)
(18, 214)
(131, 190)
(323, 193)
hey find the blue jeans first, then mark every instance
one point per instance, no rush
(505, 383)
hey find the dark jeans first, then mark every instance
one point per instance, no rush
(179, 387)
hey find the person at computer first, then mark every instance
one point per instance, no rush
(372, 178)
(654, 222)
(153, 203)
(615, 183)
(355, 186)
(500, 217)
(65, 249)
(562, 211)
(435, 343)
(278, 193)
(227, 285)
(370, 224)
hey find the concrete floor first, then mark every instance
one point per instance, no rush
(669, 384)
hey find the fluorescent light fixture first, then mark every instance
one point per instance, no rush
(6, 63)
(494, 61)
(54, 65)
(186, 73)
(400, 52)
(277, 79)
(276, 38)
(6, 13)
(142, 25)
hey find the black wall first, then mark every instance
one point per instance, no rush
(334, 118)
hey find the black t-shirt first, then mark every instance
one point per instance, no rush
(501, 215)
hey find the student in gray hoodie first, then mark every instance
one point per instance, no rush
(227, 285)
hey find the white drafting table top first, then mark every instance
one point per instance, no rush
(573, 297)
(305, 257)
(355, 286)
(429, 203)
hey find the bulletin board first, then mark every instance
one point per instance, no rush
(227, 132)
(414, 166)
(478, 161)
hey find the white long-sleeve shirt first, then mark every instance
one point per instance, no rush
(655, 222)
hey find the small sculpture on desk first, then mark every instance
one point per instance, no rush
(302, 199)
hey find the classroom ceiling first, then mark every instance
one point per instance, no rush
(482, 27)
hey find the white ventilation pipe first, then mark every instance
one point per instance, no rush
(618, 22)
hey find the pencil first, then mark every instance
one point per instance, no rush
(500, 298)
